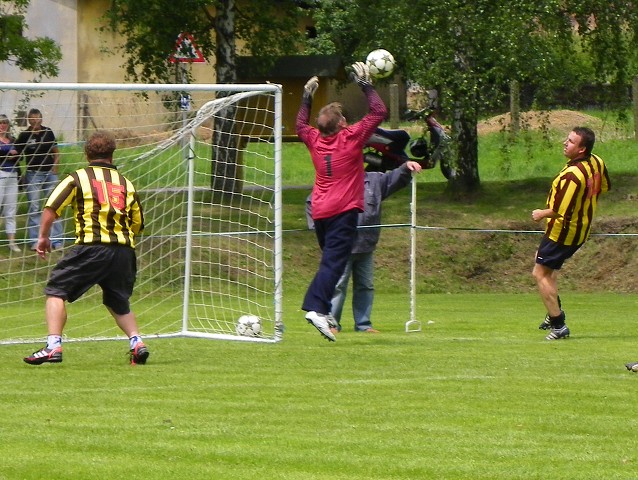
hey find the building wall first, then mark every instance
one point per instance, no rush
(97, 66)
(354, 102)
(94, 64)
(91, 56)
(56, 19)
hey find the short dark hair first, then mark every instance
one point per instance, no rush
(587, 138)
(100, 145)
(34, 111)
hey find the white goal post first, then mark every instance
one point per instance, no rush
(206, 160)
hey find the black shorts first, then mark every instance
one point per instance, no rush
(552, 255)
(112, 267)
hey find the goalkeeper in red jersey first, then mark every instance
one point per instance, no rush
(568, 215)
(108, 216)
(336, 149)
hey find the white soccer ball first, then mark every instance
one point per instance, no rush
(248, 326)
(380, 62)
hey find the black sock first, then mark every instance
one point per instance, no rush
(558, 321)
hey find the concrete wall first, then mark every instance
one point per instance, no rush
(56, 19)
(97, 66)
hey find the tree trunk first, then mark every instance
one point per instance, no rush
(225, 180)
(465, 132)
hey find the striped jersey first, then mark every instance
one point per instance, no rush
(106, 207)
(574, 196)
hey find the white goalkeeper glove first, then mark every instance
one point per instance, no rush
(311, 86)
(361, 74)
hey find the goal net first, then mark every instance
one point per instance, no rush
(206, 160)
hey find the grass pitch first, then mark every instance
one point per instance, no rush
(478, 394)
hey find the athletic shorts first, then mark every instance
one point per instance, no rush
(552, 255)
(112, 267)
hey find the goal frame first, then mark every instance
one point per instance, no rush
(276, 91)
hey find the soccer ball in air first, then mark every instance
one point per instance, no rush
(248, 326)
(380, 62)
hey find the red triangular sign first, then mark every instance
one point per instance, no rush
(186, 50)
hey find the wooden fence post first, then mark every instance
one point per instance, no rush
(515, 107)
(394, 105)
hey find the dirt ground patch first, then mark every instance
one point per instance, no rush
(560, 121)
(557, 123)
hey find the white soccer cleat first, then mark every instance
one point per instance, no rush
(320, 322)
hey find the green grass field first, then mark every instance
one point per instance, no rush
(477, 394)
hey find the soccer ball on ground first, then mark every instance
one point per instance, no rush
(248, 326)
(380, 62)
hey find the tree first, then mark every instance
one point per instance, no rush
(472, 50)
(39, 55)
(149, 29)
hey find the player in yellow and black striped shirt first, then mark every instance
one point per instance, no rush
(108, 216)
(571, 206)
(106, 205)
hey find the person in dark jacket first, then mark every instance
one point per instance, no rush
(360, 266)
(39, 147)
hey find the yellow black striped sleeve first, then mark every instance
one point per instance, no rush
(62, 195)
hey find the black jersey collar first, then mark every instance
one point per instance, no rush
(101, 163)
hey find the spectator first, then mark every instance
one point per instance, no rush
(40, 149)
(9, 174)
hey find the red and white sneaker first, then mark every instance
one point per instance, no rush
(139, 354)
(44, 355)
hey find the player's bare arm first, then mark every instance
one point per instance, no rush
(539, 214)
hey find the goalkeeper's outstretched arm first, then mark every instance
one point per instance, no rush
(377, 110)
(303, 115)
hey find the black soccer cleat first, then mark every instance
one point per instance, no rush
(139, 354)
(558, 333)
(545, 324)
